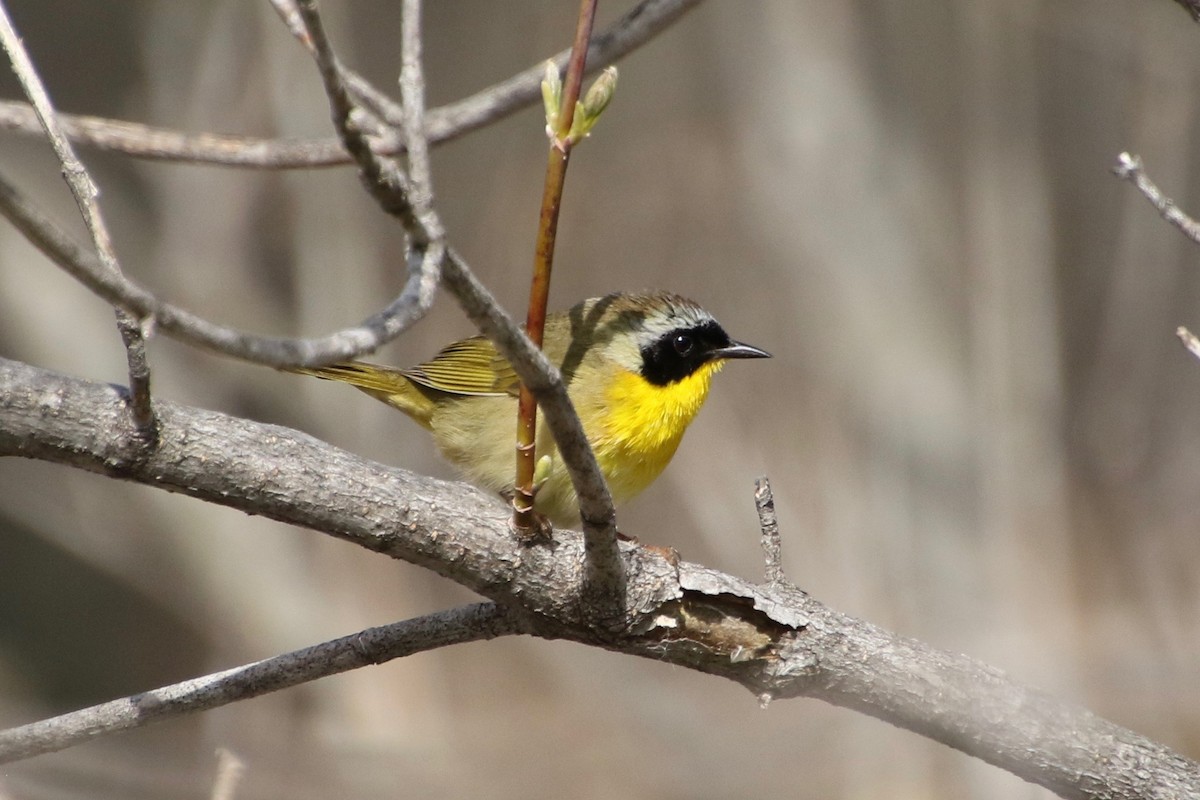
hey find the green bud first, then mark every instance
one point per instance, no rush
(589, 109)
(551, 96)
(541, 471)
(601, 93)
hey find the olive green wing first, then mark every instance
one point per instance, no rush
(469, 367)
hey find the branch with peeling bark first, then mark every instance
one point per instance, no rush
(770, 638)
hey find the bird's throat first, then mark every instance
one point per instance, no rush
(648, 421)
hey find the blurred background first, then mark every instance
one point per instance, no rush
(979, 425)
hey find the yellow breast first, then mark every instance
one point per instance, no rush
(642, 425)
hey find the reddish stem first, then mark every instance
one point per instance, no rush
(543, 263)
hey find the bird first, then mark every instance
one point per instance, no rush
(637, 367)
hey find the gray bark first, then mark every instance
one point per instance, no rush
(771, 638)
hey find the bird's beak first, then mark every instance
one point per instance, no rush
(739, 350)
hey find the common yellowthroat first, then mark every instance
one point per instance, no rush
(637, 369)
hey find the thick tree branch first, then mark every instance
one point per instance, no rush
(641, 24)
(372, 646)
(772, 639)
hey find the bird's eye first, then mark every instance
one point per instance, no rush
(683, 344)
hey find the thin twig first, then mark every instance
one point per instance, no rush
(637, 26)
(1189, 340)
(1192, 7)
(365, 94)
(642, 23)
(164, 144)
(83, 189)
(381, 176)
(412, 95)
(371, 646)
(430, 247)
(290, 15)
(768, 523)
(141, 407)
(230, 770)
(543, 262)
(1129, 167)
(120, 291)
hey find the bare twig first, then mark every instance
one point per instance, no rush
(412, 94)
(230, 770)
(120, 291)
(1129, 167)
(290, 15)
(1192, 7)
(1189, 340)
(430, 243)
(642, 23)
(84, 190)
(768, 523)
(371, 646)
(164, 144)
(133, 336)
(381, 175)
(377, 103)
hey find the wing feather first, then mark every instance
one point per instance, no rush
(468, 367)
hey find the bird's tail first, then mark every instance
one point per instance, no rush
(387, 384)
